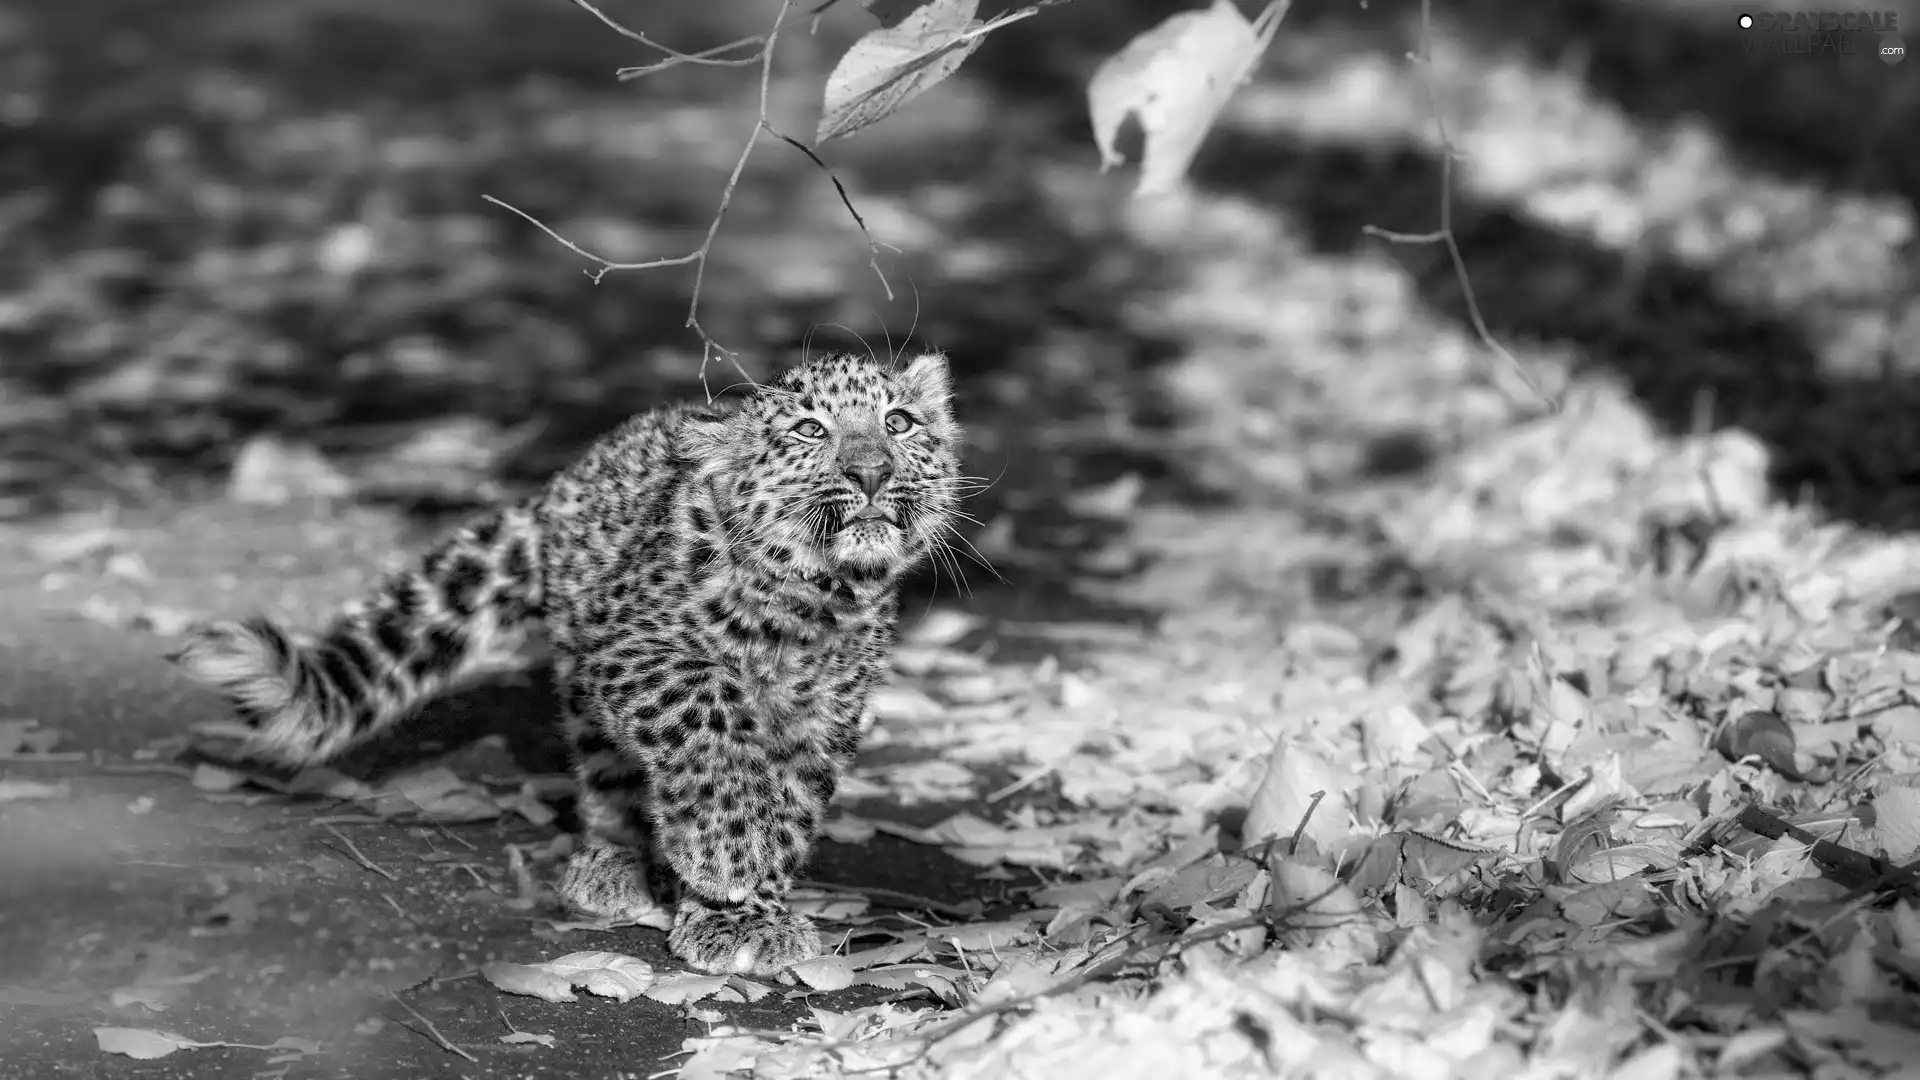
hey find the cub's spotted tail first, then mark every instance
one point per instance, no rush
(310, 697)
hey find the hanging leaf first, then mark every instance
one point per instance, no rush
(892, 65)
(890, 12)
(1174, 80)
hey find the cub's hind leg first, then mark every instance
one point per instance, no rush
(612, 871)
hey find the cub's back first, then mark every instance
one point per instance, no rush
(603, 515)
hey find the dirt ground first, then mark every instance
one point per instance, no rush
(136, 898)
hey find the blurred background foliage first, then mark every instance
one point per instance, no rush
(221, 218)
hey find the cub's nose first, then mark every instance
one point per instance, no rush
(870, 475)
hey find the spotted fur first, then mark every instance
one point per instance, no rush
(720, 584)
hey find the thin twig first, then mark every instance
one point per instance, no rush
(398, 910)
(873, 246)
(455, 837)
(674, 56)
(360, 856)
(1444, 235)
(606, 265)
(698, 256)
(762, 55)
(1300, 830)
(706, 56)
(726, 200)
(474, 873)
(431, 1032)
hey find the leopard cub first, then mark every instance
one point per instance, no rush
(720, 583)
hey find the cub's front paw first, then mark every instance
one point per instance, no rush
(606, 880)
(755, 938)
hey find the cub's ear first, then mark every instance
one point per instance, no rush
(702, 434)
(927, 378)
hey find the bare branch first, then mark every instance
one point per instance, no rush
(873, 245)
(711, 57)
(606, 265)
(727, 56)
(674, 56)
(726, 200)
(431, 1032)
(698, 256)
(1444, 235)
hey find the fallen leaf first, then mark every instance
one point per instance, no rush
(534, 810)
(1214, 878)
(528, 1037)
(1094, 895)
(606, 974)
(825, 973)
(832, 907)
(1896, 813)
(437, 794)
(214, 778)
(65, 547)
(1112, 501)
(941, 980)
(898, 952)
(661, 919)
(941, 627)
(848, 829)
(1898, 724)
(1285, 799)
(1018, 978)
(1764, 735)
(18, 736)
(330, 783)
(143, 1044)
(13, 789)
(961, 830)
(683, 988)
(905, 705)
(1311, 896)
(270, 471)
(978, 937)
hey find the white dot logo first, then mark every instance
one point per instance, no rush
(1746, 22)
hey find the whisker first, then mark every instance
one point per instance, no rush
(911, 327)
(857, 337)
(943, 553)
(974, 554)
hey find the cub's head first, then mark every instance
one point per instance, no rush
(842, 465)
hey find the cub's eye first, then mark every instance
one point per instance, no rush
(810, 429)
(900, 423)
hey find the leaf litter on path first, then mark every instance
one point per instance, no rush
(1556, 756)
(1388, 775)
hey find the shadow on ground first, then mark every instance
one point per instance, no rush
(246, 918)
